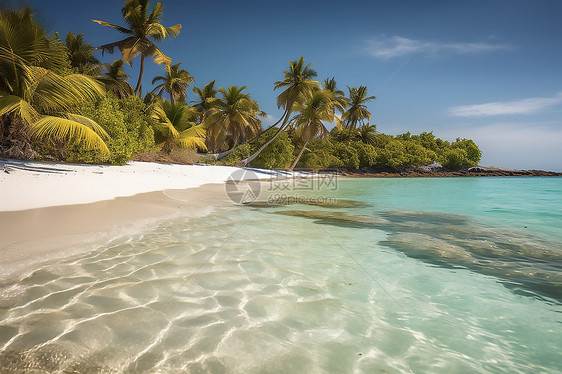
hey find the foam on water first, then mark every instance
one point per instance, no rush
(250, 290)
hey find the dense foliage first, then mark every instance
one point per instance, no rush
(127, 123)
(58, 101)
(278, 155)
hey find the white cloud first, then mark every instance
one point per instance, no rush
(396, 46)
(525, 106)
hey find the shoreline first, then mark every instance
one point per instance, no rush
(35, 236)
(31, 184)
(51, 210)
(417, 173)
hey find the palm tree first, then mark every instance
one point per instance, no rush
(340, 101)
(174, 122)
(235, 118)
(115, 79)
(142, 28)
(297, 81)
(367, 134)
(207, 100)
(357, 111)
(36, 99)
(175, 83)
(81, 54)
(314, 107)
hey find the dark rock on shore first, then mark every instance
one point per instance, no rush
(436, 170)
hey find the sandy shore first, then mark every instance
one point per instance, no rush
(49, 210)
(28, 185)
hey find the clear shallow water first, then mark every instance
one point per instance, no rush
(435, 276)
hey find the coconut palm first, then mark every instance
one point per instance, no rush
(314, 108)
(367, 134)
(340, 101)
(297, 80)
(175, 83)
(357, 111)
(81, 54)
(207, 101)
(36, 99)
(174, 121)
(142, 28)
(115, 79)
(234, 119)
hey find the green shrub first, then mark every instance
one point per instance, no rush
(278, 155)
(241, 152)
(320, 155)
(473, 153)
(366, 153)
(126, 122)
(417, 155)
(392, 155)
(455, 158)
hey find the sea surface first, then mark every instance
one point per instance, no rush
(414, 275)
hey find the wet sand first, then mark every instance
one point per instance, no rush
(30, 237)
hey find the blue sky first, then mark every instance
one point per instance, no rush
(486, 70)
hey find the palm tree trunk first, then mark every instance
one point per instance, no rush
(246, 161)
(137, 88)
(282, 119)
(269, 128)
(298, 157)
(227, 152)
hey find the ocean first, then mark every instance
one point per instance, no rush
(405, 275)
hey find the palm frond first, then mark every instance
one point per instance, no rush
(54, 93)
(66, 129)
(160, 58)
(14, 104)
(90, 123)
(116, 27)
(162, 121)
(156, 14)
(193, 137)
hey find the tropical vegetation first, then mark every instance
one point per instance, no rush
(59, 101)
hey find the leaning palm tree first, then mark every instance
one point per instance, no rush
(142, 28)
(314, 108)
(234, 119)
(175, 83)
(36, 99)
(81, 54)
(174, 122)
(357, 111)
(115, 79)
(297, 80)
(207, 101)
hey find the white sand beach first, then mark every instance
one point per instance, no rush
(50, 210)
(31, 184)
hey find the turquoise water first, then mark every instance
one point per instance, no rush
(399, 276)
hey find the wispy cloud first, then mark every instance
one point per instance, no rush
(525, 106)
(396, 46)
